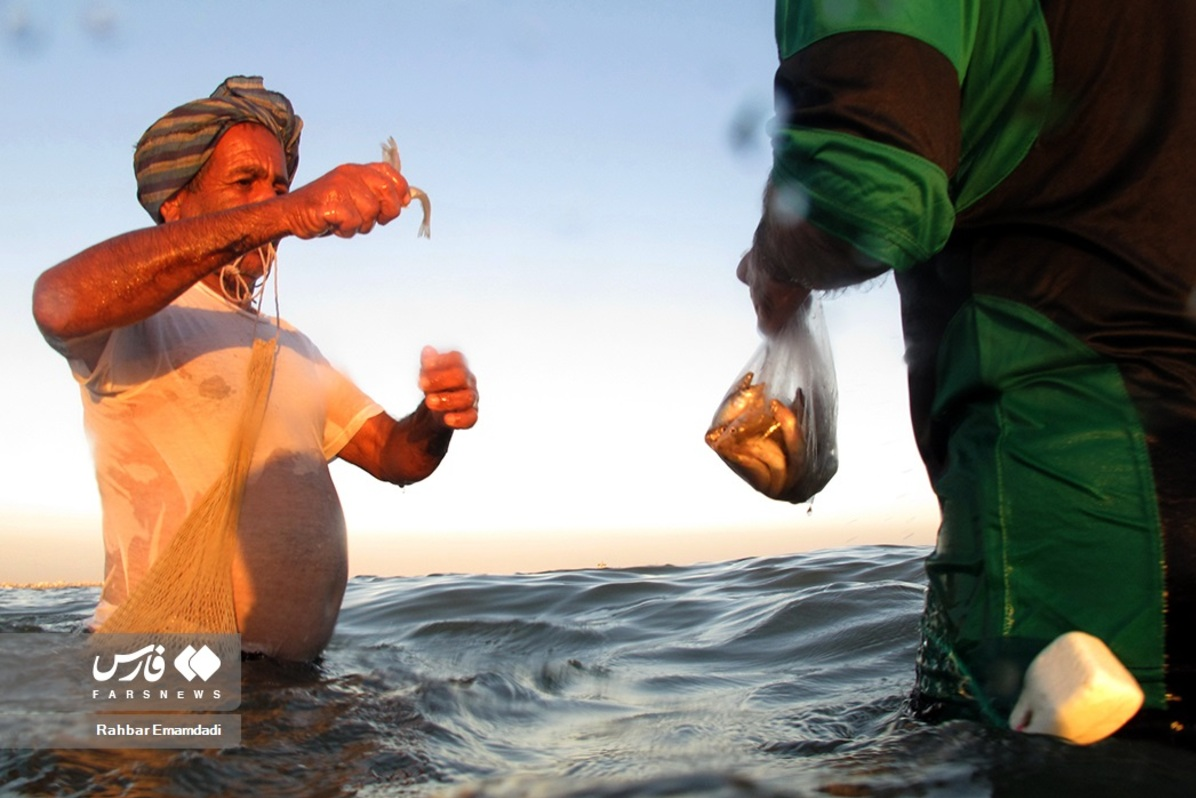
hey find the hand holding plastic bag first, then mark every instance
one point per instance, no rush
(776, 426)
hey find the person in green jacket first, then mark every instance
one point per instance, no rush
(1026, 169)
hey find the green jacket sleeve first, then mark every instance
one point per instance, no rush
(896, 115)
(868, 105)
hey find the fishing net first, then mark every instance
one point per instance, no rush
(189, 588)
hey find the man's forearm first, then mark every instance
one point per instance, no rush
(400, 452)
(132, 276)
(789, 248)
(417, 444)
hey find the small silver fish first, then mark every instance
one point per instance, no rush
(390, 154)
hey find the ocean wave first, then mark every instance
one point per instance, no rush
(781, 676)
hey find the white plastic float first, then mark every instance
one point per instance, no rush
(1078, 690)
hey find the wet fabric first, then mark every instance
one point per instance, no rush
(173, 150)
(1050, 331)
(160, 406)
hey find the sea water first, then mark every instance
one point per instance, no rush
(783, 676)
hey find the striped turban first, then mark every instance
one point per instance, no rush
(173, 150)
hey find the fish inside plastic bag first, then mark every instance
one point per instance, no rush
(776, 426)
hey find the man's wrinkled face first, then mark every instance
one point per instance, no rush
(248, 165)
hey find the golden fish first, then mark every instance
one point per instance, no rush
(761, 439)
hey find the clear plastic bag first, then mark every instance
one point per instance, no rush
(776, 426)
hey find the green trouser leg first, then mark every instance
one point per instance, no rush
(1049, 517)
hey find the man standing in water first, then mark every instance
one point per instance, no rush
(157, 325)
(1026, 170)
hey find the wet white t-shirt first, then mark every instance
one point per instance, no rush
(160, 406)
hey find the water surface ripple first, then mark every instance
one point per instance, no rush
(782, 676)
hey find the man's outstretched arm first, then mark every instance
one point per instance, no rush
(132, 276)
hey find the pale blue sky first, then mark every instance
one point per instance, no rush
(595, 172)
